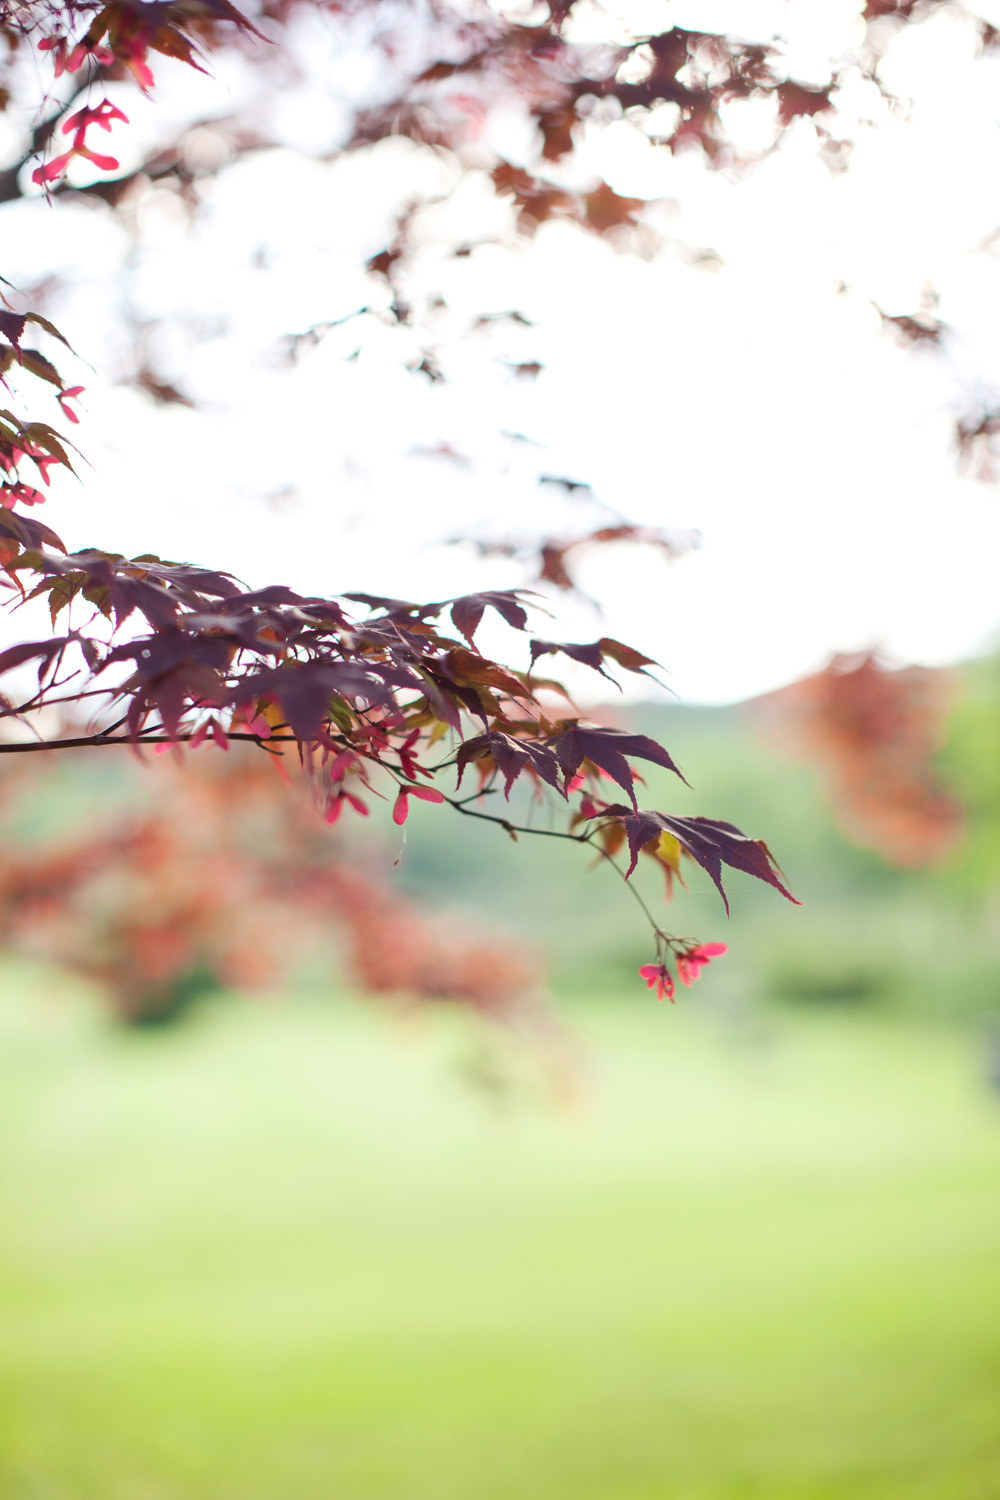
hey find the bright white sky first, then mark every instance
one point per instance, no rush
(749, 399)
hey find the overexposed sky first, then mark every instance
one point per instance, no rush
(752, 395)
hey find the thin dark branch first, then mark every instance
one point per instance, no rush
(89, 741)
(509, 827)
(555, 833)
(7, 713)
(460, 805)
(631, 888)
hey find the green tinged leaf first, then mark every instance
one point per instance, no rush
(38, 365)
(50, 328)
(44, 436)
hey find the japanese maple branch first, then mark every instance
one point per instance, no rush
(509, 827)
(35, 702)
(555, 833)
(460, 805)
(92, 740)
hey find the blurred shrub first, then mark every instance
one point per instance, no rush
(875, 734)
(215, 875)
(827, 982)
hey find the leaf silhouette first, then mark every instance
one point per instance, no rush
(607, 748)
(467, 612)
(512, 756)
(593, 653)
(709, 842)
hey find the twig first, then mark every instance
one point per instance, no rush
(95, 740)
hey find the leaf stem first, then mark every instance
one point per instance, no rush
(555, 833)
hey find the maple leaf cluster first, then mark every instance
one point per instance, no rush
(373, 698)
(388, 702)
(386, 699)
(28, 448)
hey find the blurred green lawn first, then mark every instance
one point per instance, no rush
(284, 1254)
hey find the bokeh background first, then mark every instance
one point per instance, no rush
(341, 1165)
(334, 1237)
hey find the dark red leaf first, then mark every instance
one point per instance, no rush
(43, 651)
(709, 842)
(305, 690)
(467, 612)
(607, 749)
(148, 596)
(512, 756)
(593, 653)
(12, 326)
(29, 533)
(588, 654)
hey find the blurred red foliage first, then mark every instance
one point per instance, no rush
(874, 732)
(227, 877)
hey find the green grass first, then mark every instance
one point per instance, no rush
(284, 1254)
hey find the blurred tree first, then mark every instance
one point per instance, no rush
(224, 877)
(875, 734)
(507, 100)
(971, 761)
